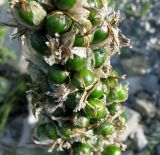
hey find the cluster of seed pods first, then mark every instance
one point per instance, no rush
(76, 93)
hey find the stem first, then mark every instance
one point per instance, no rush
(5, 113)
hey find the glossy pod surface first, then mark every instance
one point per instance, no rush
(100, 35)
(64, 4)
(95, 109)
(57, 22)
(99, 56)
(98, 91)
(112, 150)
(82, 149)
(47, 130)
(76, 63)
(57, 74)
(105, 129)
(83, 78)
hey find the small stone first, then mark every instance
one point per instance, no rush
(141, 138)
(134, 84)
(137, 65)
(150, 83)
(146, 108)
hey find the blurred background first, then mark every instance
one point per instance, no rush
(141, 64)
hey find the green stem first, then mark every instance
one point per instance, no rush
(7, 106)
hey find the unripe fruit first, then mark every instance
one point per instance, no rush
(76, 63)
(83, 41)
(98, 91)
(82, 149)
(100, 35)
(57, 74)
(64, 4)
(113, 108)
(30, 12)
(83, 78)
(41, 132)
(57, 22)
(99, 56)
(95, 109)
(105, 129)
(118, 94)
(112, 150)
(51, 131)
(46, 131)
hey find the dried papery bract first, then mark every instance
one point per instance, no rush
(76, 94)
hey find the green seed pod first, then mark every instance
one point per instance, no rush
(112, 150)
(63, 4)
(72, 100)
(41, 132)
(96, 21)
(105, 129)
(67, 130)
(83, 78)
(118, 94)
(30, 13)
(81, 121)
(51, 131)
(95, 4)
(114, 108)
(98, 91)
(99, 56)
(95, 109)
(38, 42)
(57, 22)
(47, 131)
(83, 41)
(112, 82)
(82, 149)
(76, 63)
(100, 35)
(57, 74)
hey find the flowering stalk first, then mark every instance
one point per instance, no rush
(76, 94)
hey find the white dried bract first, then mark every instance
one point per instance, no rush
(78, 11)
